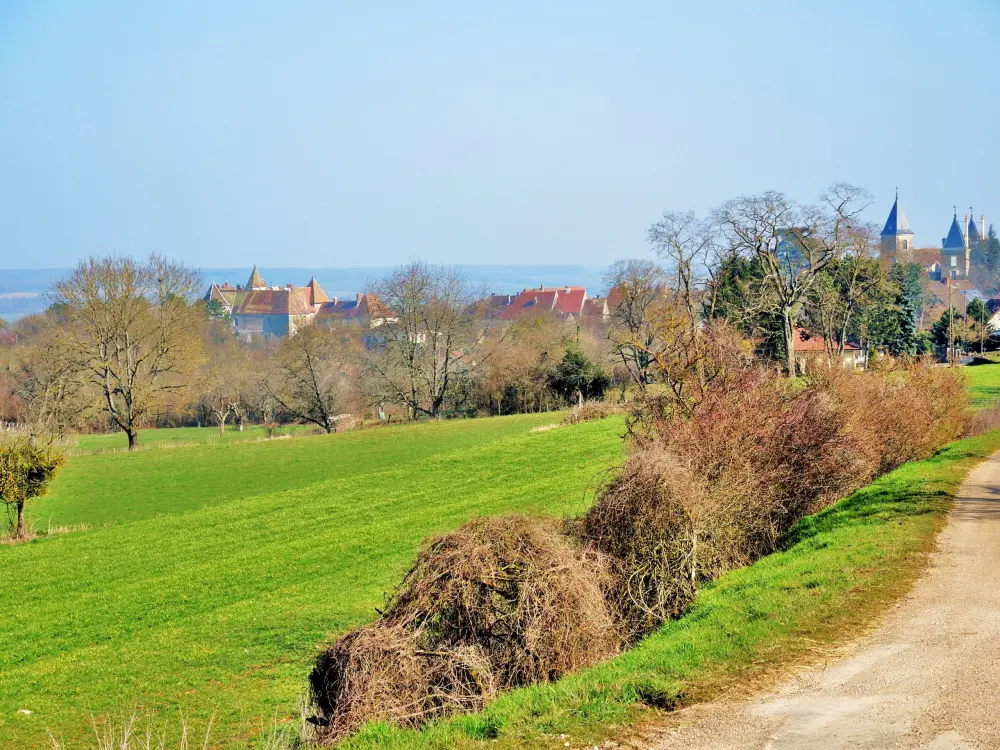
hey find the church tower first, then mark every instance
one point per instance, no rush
(956, 253)
(897, 237)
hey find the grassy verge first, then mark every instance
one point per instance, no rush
(984, 385)
(840, 569)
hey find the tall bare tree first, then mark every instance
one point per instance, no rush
(135, 332)
(686, 244)
(639, 283)
(307, 374)
(428, 345)
(792, 242)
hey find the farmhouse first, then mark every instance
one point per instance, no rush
(811, 351)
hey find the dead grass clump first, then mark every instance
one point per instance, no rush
(590, 411)
(498, 603)
(516, 588)
(377, 673)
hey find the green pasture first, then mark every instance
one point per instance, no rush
(108, 488)
(175, 437)
(984, 383)
(229, 566)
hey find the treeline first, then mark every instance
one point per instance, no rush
(127, 343)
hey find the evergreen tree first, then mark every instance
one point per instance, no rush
(905, 340)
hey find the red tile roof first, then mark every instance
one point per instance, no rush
(530, 302)
(614, 299)
(596, 306)
(363, 306)
(807, 342)
(570, 300)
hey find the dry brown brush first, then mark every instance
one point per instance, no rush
(498, 603)
(710, 485)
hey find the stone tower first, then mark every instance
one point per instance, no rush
(897, 237)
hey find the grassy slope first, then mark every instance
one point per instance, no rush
(101, 488)
(221, 609)
(840, 569)
(984, 382)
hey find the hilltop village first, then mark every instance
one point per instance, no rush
(963, 268)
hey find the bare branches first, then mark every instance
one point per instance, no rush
(135, 331)
(429, 343)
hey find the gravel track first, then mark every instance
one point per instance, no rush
(929, 677)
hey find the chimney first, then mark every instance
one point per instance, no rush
(982, 223)
(357, 299)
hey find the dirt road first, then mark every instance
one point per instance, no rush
(929, 677)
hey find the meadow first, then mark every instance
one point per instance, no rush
(984, 384)
(212, 574)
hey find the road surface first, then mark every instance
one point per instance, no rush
(929, 677)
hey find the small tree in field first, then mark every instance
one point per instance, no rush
(26, 468)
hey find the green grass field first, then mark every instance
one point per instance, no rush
(228, 566)
(172, 438)
(984, 383)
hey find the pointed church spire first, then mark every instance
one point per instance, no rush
(897, 222)
(256, 281)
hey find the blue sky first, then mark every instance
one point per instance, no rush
(342, 134)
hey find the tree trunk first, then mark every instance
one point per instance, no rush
(133, 439)
(20, 532)
(786, 319)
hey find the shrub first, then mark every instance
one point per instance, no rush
(498, 603)
(642, 522)
(712, 483)
(26, 467)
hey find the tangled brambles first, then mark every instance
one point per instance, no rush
(641, 523)
(378, 673)
(499, 603)
(710, 485)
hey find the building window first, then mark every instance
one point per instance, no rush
(904, 244)
(954, 261)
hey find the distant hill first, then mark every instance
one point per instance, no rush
(22, 292)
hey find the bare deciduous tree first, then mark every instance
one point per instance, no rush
(55, 393)
(135, 332)
(639, 284)
(428, 344)
(306, 378)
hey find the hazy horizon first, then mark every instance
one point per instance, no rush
(348, 135)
